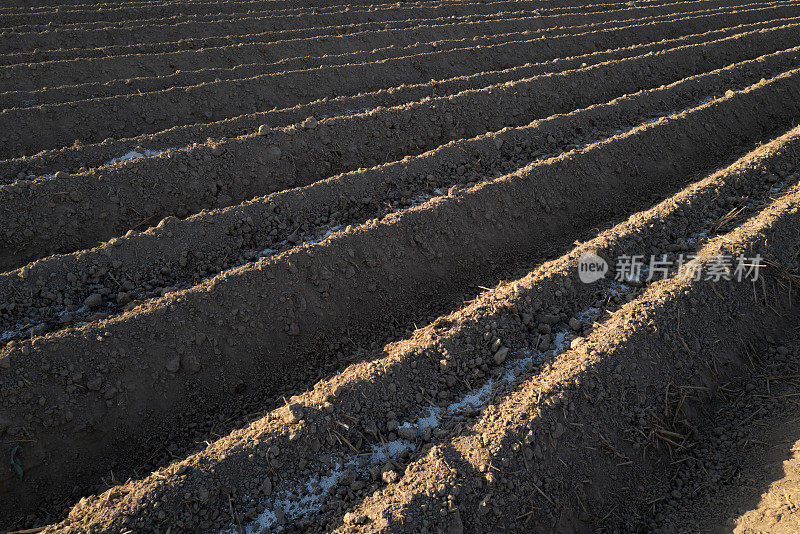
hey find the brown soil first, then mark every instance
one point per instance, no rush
(333, 282)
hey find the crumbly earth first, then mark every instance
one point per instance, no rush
(287, 265)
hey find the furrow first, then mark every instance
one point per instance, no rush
(306, 24)
(60, 214)
(299, 19)
(190, 250)
(599, 427)
(512, 312)
(446, 243)
(80, 156)
(59, 49)
(128, 85)
(282, 19)
(144, 59)
(114, 13)
(63, 124)
(318, 9)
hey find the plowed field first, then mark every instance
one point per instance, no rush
(290, 265)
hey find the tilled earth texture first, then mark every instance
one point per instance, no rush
(419, 266)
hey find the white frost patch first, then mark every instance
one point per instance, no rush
(617, 288)
(135, 154)
(560, 342)
(23, 330)
(12, 333)
(325, 235)
(294, 506)
(421, 199)
(300, 505)
(432, 421)
(475, 399)
(383, 452)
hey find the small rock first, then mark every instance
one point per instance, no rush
(500, 355)
(575, 324)
(94, 383)
(190, 363)
(310, 123)
(549, 319)
(347, 478)
(292, 413)
(263, 129)
(352, 518)
(483, 506)
(266, 487)
(390, 477)
(544, 328)
(218, 150)
(173, 363)
(407, 432)
(94, 300)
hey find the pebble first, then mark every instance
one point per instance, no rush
(352, 518)
(575, 324)
(292, 413)
(263, 129)
(407, 432)
(94, 300)
(191, 363)
(310, 123)
(559, 431)
(544, 328)
(174, 363)
(500, 355)
(390, 477)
